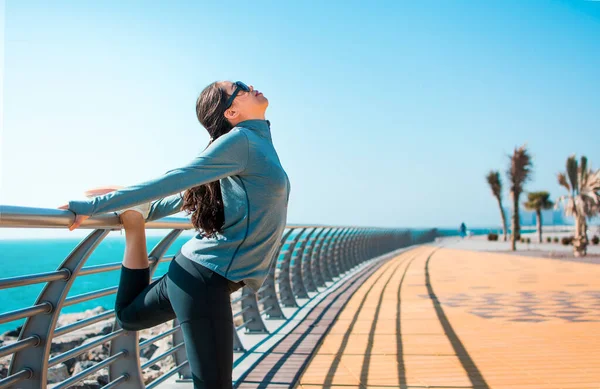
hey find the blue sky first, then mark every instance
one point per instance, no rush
(384, 113)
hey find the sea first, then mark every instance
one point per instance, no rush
(19, 257)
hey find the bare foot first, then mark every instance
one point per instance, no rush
(136, 254)
(132, 220)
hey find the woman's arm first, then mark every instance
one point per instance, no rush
(227, 156)
(165, 207)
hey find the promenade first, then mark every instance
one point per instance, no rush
(436, 317)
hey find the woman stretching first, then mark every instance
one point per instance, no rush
(237, 193)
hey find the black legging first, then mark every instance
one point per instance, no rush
(199, 298)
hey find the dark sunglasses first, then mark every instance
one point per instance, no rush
(238, 86)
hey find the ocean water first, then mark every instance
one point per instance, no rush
(20, 257)
(27, 256)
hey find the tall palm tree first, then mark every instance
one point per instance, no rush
(583, 200)
(519, 172)
(493, 178)
(538, 201)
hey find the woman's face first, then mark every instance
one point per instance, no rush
(246, 105)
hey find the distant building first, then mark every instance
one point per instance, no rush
(551, 217)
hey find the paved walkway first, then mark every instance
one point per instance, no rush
(446, 318)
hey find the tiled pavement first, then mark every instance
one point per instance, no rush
(444, 318)
(283, 365)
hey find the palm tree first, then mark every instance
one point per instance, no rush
(493, 178)
(519, 172)
(538, 201)
(583, 200)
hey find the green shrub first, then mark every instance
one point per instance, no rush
(556, 240)
(595, 239)
(492, 236)
(549, 239)
(567, 240)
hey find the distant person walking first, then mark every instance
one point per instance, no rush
(463, 230)
(237, 193)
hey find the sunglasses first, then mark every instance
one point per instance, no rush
(239, 86)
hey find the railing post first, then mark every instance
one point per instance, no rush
(332, 264)
(384, 242)
(251, 313)
(362, 246)
(355, 246)
(376, 239)
(286, 295)
(268, 294)
(308, 274)
(323, 257)
(180, 355)
(352, 238)
(298, 287)
(339, 257)
(315, 260)
(373, 244)
(334, 271)
(237, 343)
(43, 325)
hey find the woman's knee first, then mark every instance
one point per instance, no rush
(127, 322)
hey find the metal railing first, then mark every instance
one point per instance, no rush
(309, 257)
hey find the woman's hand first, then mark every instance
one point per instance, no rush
(78, 218)
(90, 193)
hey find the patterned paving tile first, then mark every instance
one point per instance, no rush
(459, 319)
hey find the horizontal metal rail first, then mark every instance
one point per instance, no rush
(32, 341)
(100, 268)
(117, 382)
(16, 378)
(31, 279)
(244, 324)
(238, 299)
(260, 301)
(262, 289)
(90, 370)
(148, 342)
(25, 312)
(80, 298)
(268, 309)
(155, 360)
(84, 323)
(83, 348)
(26, 217)
(165, 376)
(241, 312)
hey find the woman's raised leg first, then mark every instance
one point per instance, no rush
(139, 304)
(136, 253)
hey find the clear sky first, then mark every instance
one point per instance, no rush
(384, 113)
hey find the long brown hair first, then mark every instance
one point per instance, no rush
(205, 202)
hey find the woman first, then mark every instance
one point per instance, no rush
(237, 194)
